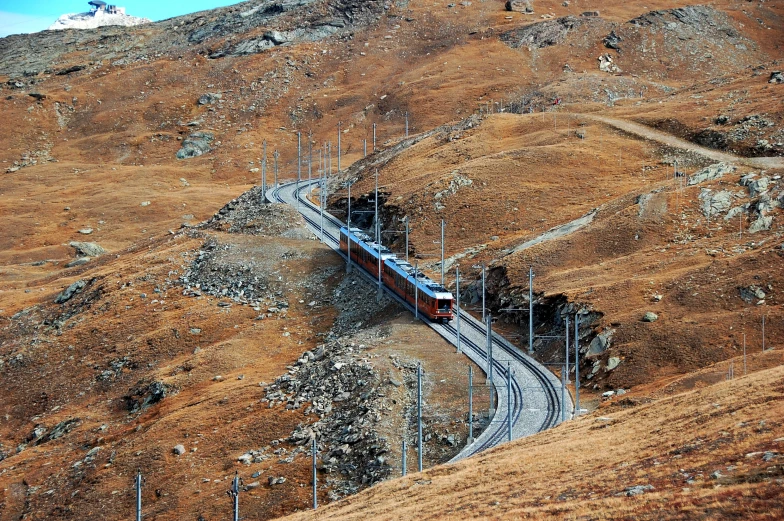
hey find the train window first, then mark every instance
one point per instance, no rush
(444, 304)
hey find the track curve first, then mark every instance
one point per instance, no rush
(535, 392)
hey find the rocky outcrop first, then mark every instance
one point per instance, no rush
(710, 173)
(543, 34)
(195, 144)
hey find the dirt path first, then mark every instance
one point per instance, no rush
(670, 140)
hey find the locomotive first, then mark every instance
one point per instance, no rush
(432, 299)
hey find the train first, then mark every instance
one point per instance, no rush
(431, 298)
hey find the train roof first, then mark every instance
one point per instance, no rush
(402, 266)
(427, 284)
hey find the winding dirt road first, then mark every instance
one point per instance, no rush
(670, 140)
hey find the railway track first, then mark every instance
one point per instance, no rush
(534, 403)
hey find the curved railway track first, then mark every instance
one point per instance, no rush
(535, 392)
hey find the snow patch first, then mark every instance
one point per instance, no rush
(96, 19)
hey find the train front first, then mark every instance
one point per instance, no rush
(443, 306)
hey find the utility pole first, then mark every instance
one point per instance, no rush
(509, 401)
(567, 349)
(457, 312)
(329, 151)
(264, 173)
(563, 394)
(404, 463)
(234, 492)
(483, 293)
(276, 155)
(138, 482)
(348, 226)
(530, 311)
(419, 416)
(364, 147)
(374, 137)
(322, 201)
(416, 293)
(406, 124)
(299, 165)
(489, 346)
(470, 404)
(406, 238)
(310, 161)
(378, 239)
(763, 333)
(315, 477)
(442, 251)
(339, 124)
(576, 365)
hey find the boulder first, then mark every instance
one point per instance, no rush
(209, 98)
(196, 144)
(612, 41)
(762, 224)
(650, 316)
(758, 186)
(776, 77)
(709, 173)
(70, 291)
(751, 293)
(87, 249)
(613, 362)
(601, 342)
(179, 450)
(714, 203)
(520, 6)
(606, 64)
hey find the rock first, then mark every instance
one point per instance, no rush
(751, 293)
(179, 450)
(637, 490)
(612, 41)
(217, 378)
(70, 291)
(758, 186)
(601, 342)
(87, 249)
(196, 144)
(86, 231)
(710, 173)
(276, 481)
(78, 262)
(714, 203)
(657, 297)
(613, 362)
(607, 395)
(520, 6)
(776, 77)
(722, 119)
(606, 64)
(734, 212)
(252, 485)
(245, 459)
(650, 316)
(762, 224)
(542, 34)
(716, 475)
(145, 203)
(142, 396)
(209, 98)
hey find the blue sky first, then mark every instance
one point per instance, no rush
(28, 16)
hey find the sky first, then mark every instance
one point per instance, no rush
(29, 16)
